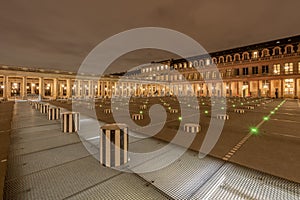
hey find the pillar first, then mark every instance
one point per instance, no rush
(69, 93)
(41, 87)
(23, 88)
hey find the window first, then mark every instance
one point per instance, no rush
(221, 59)
(298, 67)
(228, 58)
(245, 56)
(288, 50)
(289, 86)
(245, 71)
(254, 70)
(228, 72)
(236, 72)
(265, 69)
(276, 52)
(276, 69)
(288, 68)
(237, 57)
(207, 62)
(255, 54)
(207, 75)
(214, 74)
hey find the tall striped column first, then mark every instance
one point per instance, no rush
(114, 145)
(44, 108)
(53, 113)
(70, 122)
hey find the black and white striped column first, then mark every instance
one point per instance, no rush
(250, 107)
(53, 113)
(143, 107)
(137, 116)
(37, 105)
(192, 128)
(173, 110)
(107, 111)
(44, 108)
(223, 116)
(70, 122)
(241, 111)
(114, 145)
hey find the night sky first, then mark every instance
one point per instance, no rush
(58, 34)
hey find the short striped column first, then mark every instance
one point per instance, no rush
(53, 113)
(197, 107)
(44, 108)
(107, 111)
(143, 107)
(137, 116)
(114, 145)
(223, 116)
(70, 122)
(250, 107)
(192, 128)
(37, 105)
(241, 111)
(173, 110)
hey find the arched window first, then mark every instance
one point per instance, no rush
(276, 51)
(221, 59)
(237, 57)
(214, 60)
(201, 63)
(196, 64)
(289, 49)
(265, 53)
(245, 56)
(228, 58)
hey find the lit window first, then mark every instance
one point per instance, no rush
(207, 62)
(299, 67)
(255, 54)
(289, 86)
(207, 75)
(276, 69)
(214, 74)
(288, 68)
(157, 68)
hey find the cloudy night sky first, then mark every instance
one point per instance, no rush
(59, 34)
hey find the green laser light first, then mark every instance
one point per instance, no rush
(266, 118)
(254, 130)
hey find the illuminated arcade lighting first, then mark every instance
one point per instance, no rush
(169, 108)
(2, 86)
(179, 118)
(206, 112)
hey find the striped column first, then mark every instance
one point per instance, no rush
(44, 108)
(173, 110)
(114, 145)
(107, 111)
(241, 111)
(223, 116)
(70, 122)
(137, 116)
(143, 107)
(250, 107)
(53, 113)
(192, 128)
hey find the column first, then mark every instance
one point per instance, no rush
(5, 83)
(99, 87)
(54, 88)
(295, 88)
(281, 88)
(41, 87)
(69, 93)
(23, 88)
